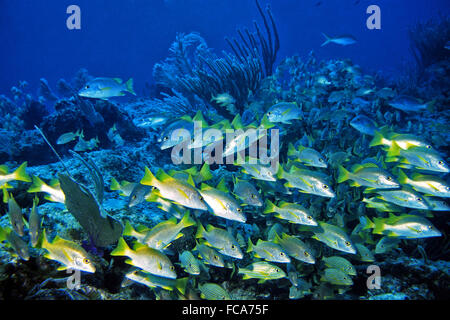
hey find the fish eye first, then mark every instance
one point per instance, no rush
(172, 268)
(192, 140)
(419, 199)
(216, 257)
(165, 138)
(309, 217)
(86, 261)
(253, 196)
(277, 270)
(133, 197)
(239, 209)
(441, 162)
(87, 86)
(306, 253)
(269, 113)
(389, 178)
(282, 254)
(428, 146)
(347, 243)
(233, 246)
(325, 186)
(320, 160)
(201, 198)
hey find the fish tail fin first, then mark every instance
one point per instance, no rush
(343, 174)
(291, 150)
(129, 85)
(250, 245)
(402, 177)
(5, 195)
(181, 284)
(128, 229)
(280, 172)
(205, 172)
(327, 40)
(377, 139)
(44, 244)
(378, 225)
(149, 179)
(393, 151)
(115, 185)
(200, 231)
(366, 223)
(37, 185)
(270, 207)
(265, 123)
(20, 174)
(122, 248)
(187, 221)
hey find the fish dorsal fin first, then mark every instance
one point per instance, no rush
(199, 117)
(205, 187)
(4, 169)
(205, 172)
(118, 80)
(162, 176)
(137, 246)
(209, 228)
(190, 181)
(54, 183)
(237, 122)
(370, 165)
(283, 204)
(222, 186)
(192, 171)
(186, 118)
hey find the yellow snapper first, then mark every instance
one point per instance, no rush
(334, 237)
(209, 255)
(284, 112)
(69, 137)
(15, 216)
(153, 281)
(104, 88)
(291, 212)
(404, 226)
(54, 192)
(369, 175)
(430, 185)
(146, 258)
(181, 192)
(34, 223)
(340, 263)
(268, 250)
(307, 156)
(307, 181)
(262, 270)
(405, 197)
(161, 235)
(220, 239)
(220, 203)
(68, 253)
(247, 192)
(295, 248)
(19, 174)
(336, 277)
(420, 157)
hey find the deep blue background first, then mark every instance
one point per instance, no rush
(124, 38)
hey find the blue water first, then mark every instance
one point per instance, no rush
(125, 38)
